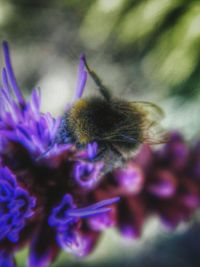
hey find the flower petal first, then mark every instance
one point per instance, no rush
(11, 74)
(82, 78)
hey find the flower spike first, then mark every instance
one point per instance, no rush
(64, 201)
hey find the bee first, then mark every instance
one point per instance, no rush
(117, 126)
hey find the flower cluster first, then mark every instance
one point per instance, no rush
(56, 197)
(163, 182)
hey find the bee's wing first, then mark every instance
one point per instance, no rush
(151, 109)
(151, 115)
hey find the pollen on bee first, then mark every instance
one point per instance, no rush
(84, 138)
(76, 124)
(80, 104)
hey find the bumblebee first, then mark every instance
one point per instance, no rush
(116, 125)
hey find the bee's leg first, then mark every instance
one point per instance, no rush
(117, 155)
(113, 159)
(108, 151)
(110, 155)
(103, 89)
(101, 153)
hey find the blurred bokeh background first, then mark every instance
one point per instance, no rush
(143, 50)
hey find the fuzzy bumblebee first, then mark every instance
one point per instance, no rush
(117, 126)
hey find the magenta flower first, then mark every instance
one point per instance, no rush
(163, 182)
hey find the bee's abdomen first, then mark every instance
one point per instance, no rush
(98, 120)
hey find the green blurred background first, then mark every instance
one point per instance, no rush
(143, 50)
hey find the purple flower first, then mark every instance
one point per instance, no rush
(16, 206)
(21, 121)
(163, 184)
(65, 218)
(43, 178)
(88, 173)
(102, 221)
(130, 178)
(66, 212)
